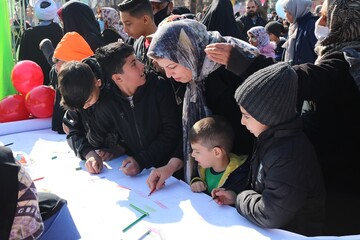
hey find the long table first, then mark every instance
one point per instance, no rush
(103, 205)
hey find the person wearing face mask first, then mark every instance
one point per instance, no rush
(333, 125)
(161, 9)
(321, 31)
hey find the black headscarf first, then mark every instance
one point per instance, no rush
(220, 17)
(78, 17)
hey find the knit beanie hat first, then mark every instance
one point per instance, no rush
(72, 47)
(45, 9)
(270, 94)
(275, 28)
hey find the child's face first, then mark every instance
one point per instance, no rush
(251, 123)
(204, 156)
(253, 40)
(94, 96)
(272, 37)
(133, 26)
(133, 74)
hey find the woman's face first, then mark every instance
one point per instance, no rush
(289, 17)
(323, 13)
(175, 70)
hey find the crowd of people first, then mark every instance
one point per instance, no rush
(260, 114)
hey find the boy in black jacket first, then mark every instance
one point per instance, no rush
(139, 113)
(286, 188)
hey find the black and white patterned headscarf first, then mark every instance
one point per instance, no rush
(343, 19)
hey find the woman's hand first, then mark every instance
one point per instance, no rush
(219, 52)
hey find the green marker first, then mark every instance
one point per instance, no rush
(138, 209)
(135, 222)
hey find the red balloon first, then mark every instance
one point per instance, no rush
(26, 75)
(40, 101)
(12, 108)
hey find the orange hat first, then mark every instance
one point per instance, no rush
(72, 47)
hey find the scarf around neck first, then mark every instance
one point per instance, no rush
(298, 9)
(343, 19)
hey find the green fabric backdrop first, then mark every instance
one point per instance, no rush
(6, 57)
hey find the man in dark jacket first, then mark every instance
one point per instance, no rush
(251, 18)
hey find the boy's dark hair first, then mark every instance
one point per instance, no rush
(136, 8)
(112, 57)
(213, 132)
(76, 83)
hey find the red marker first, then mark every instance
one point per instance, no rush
(37, 179)
(152, 190)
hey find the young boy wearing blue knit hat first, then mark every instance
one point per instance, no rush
(285, 186)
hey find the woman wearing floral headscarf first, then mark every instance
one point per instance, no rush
(333, 125)
(299, 48)
(178, 47)
(258, 37)
(113, 30)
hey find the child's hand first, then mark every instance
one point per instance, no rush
(198, 186)
(94, 163)
(222, 196)
(130, 167)
(66, 129)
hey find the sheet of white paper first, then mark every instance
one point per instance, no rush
(100, 204)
